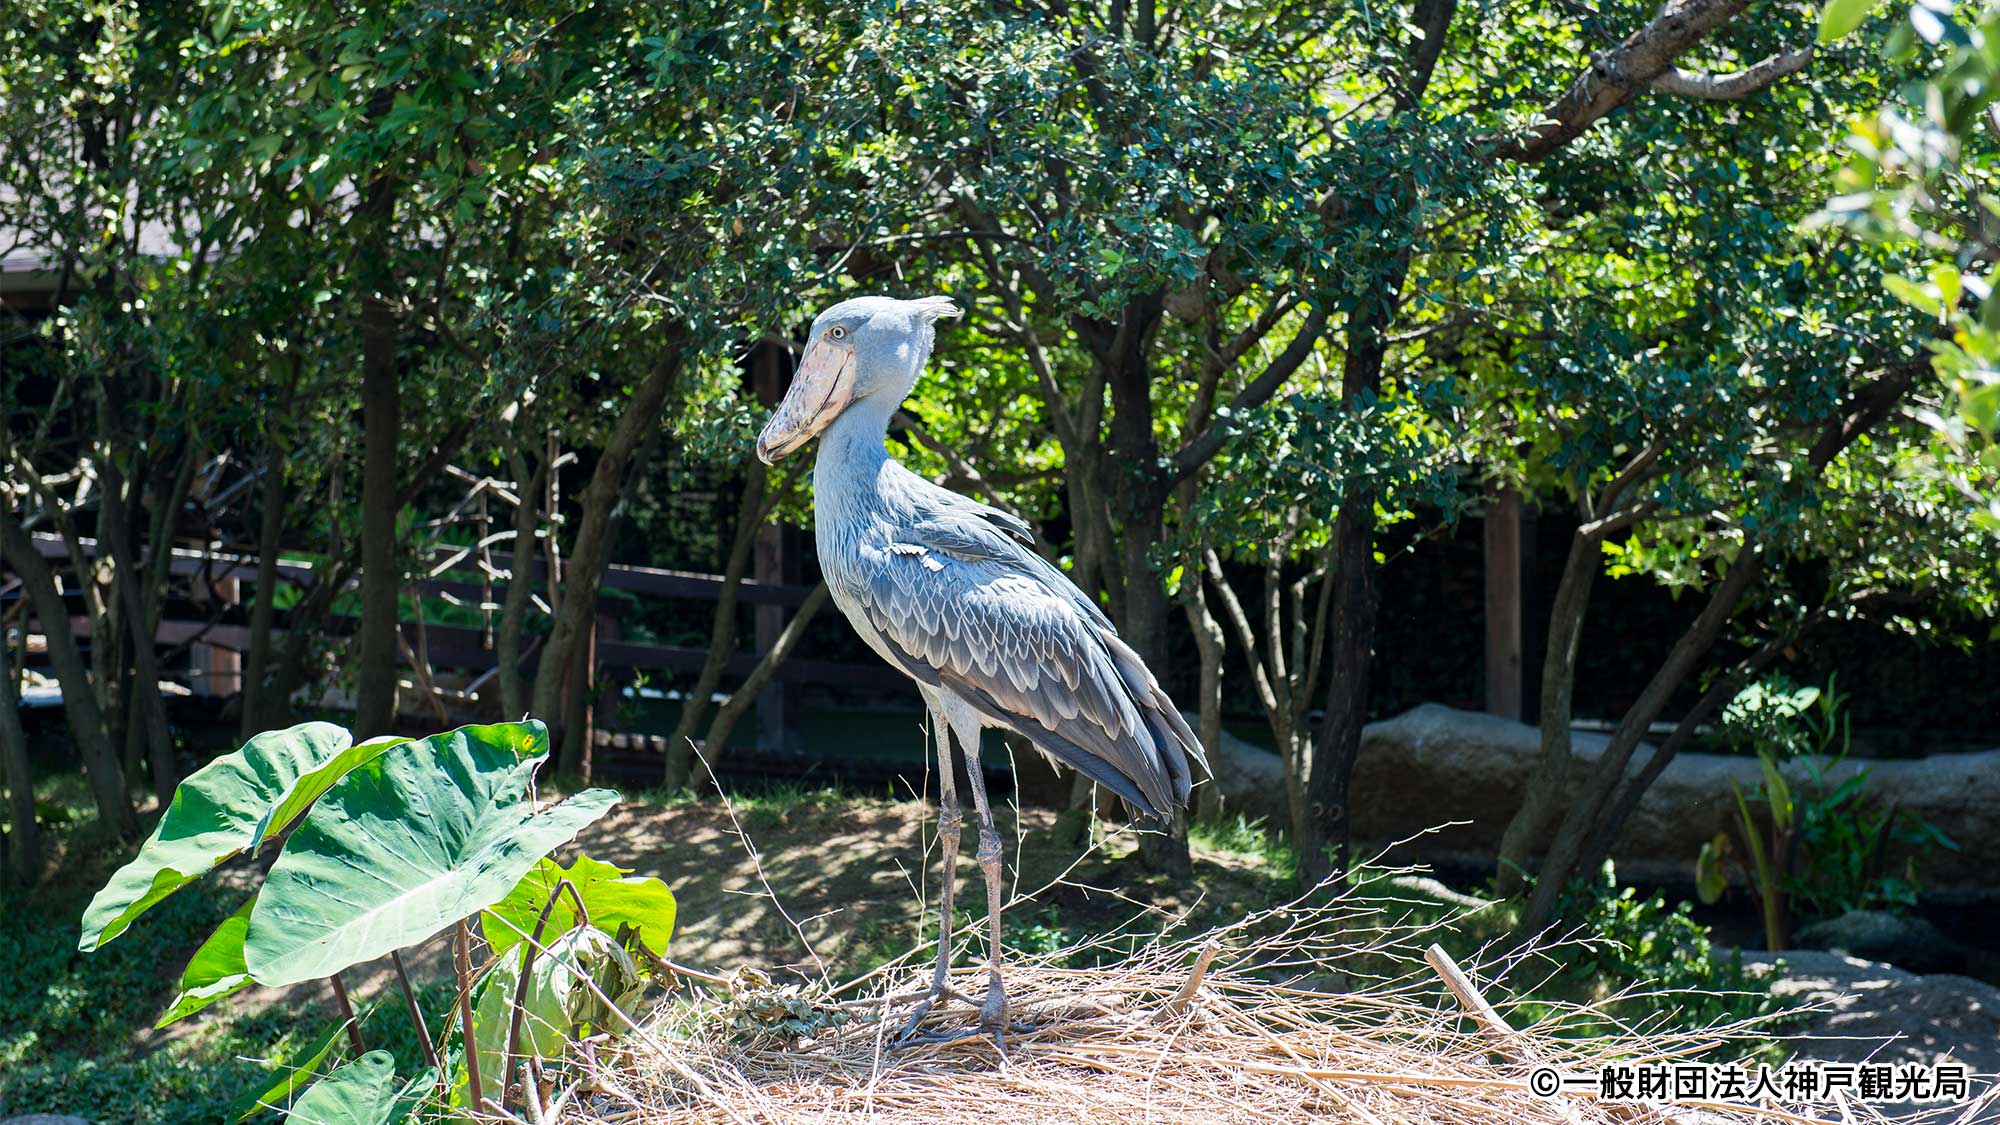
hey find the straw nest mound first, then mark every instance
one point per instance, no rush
(1232, 1025)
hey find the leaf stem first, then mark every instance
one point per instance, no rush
(346, 1010)
(461, 964)
(417, 1018)
(521, 987)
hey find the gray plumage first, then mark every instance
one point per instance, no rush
(951, 591)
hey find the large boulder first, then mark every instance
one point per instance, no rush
(1453, 779)
(1903, 940)
(1252, 780)
(1868, 1011)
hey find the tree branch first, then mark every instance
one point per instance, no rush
(1615, 75)
(1208, 442)
(1725, 87)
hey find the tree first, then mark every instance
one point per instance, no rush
(1716, 393)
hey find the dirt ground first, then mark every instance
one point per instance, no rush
(848, 878)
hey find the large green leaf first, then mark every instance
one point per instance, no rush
(610, 896)
(229, 806)
(406, 845)
(216, 970)
(363, 1092)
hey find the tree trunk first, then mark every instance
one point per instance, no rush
(129, 579)
(1325, 841)
(722, 632)
(24, 846)
(1550, 780)
(1210, 641)
(381, 423)
(1583, 819)
(1141, 499)
(715, 746)
(261, 710)
(591, 551)
(1324, 838)
(86, 718)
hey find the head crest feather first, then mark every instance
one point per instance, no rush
(935, 308)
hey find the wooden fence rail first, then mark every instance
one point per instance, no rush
(466, 649)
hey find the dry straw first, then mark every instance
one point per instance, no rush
(1315, 1010)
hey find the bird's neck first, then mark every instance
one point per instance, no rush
(852, 450)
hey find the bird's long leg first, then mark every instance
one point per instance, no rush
(992, 1013)
(950, 822)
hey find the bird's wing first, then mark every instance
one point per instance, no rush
(973, 531)
(970, 610)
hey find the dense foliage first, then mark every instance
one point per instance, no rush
(1254, 290)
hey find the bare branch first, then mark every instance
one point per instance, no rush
(1208, 442)
(1742, 83)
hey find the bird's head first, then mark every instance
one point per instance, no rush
(864, 348)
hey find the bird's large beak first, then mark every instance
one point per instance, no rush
(821, 388)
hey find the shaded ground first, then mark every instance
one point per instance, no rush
(853, 874)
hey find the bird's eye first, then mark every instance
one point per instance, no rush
(837, 332)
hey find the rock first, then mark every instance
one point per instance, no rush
(1877, 935)
(1451, 779)
(1252, 779)
(1870, 1011)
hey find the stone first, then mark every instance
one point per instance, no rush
(1870, 1011)
(1252, 779)
(1877, 935)
(1447, 781)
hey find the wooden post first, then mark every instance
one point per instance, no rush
(217, 671)
(1503, 605)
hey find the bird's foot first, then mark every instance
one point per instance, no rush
(997, 1034)
(925, 1003)
(993, 1013)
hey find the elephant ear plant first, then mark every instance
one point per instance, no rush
(383, 845)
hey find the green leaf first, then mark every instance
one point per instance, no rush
(1711, 872)
(1777, 792)
(278, 1095)
(407, 845)
(363, 1092)
(216, 970)
(230, 806)
(1912, 294)
(1840, 17)
(610, 896)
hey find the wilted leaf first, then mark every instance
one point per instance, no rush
(557, 1001)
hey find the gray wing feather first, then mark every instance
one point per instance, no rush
(965, 605)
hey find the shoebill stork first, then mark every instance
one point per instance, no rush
(950, 591)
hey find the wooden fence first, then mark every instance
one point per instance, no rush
(218, 644)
